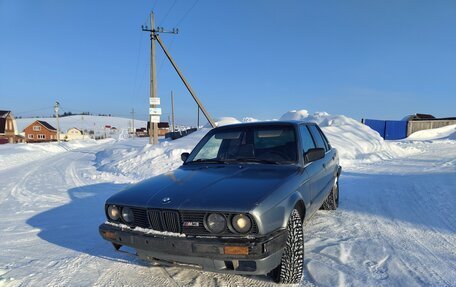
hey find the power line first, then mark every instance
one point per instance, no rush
(155, 4)
(135, 79)
(187, 13)
(167, 13)
(36, 110)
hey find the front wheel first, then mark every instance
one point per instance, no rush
(291, 267)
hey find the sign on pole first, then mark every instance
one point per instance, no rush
(155, 111)
(154, 119)
(154, 101)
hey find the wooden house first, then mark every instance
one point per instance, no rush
(8, 130)
(40, 131)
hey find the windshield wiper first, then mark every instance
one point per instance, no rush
(257, 160)
(208, 160)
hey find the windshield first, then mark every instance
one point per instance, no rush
(275, 145)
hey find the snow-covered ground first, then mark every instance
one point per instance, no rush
(396, 224)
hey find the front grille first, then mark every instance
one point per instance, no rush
(171, 221)
(165, 220)
(190, 216)
(140, 218)
(154, 218)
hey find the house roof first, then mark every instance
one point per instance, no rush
(44, 124)
(73, 128)
(48, 126)
(4, 114)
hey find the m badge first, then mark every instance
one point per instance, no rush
(190, 224)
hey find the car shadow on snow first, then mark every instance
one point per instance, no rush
(75, 225)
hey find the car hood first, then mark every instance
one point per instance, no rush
(207, 187)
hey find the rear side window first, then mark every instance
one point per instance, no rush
(317, 137)
(306, 139)
(325, 139)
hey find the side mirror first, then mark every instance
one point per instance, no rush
(184, 156)
(314, 154)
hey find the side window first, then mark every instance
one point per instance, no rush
(317, 137)
(325, 139)
(306, 139)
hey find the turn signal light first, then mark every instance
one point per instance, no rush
(236, 250)
(109, 234)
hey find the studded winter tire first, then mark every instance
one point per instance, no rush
(291, 267)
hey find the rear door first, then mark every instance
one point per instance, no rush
(311, 181)
(323, 164)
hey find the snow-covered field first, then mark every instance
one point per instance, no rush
(86, 122)
(396, 224)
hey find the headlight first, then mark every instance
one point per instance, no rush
(215, 223)
(113, 212)
(241, 223)
(127, 215)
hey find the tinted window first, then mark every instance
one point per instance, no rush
(306, 139)
(317, 137)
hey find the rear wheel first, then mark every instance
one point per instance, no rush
(291, 267)
(332, 201)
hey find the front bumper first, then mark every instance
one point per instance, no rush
(202, 252)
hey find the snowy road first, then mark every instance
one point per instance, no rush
(396, 226)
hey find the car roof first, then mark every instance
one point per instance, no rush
(267, 123)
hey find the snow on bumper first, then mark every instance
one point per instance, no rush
(218, 254)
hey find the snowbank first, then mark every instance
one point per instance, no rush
(448, 132)
(295, 115)
(134, 161)
(353, 140)
(223, 121)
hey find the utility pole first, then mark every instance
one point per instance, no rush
(172, 109)
(154, 111)
(133, 121)
(56, 109)
(154, 101)
(198, 117)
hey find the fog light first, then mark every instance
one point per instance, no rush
(236, 250)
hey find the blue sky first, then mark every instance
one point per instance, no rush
(364, 59)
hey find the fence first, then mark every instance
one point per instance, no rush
(414, 126)
(389, 130)
(395, 130)
(179, 134)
